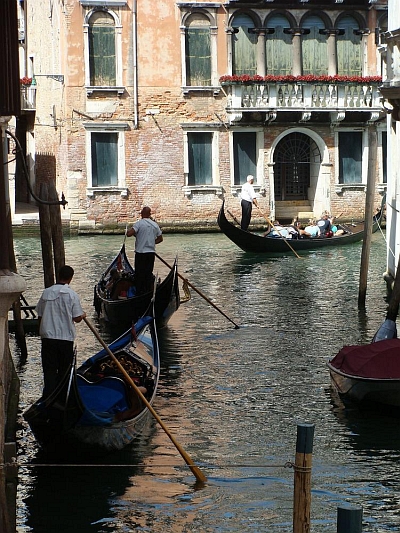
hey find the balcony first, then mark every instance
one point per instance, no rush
(307, 97)
(28, 98)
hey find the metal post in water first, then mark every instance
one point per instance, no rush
(302, 478)
(349, 519)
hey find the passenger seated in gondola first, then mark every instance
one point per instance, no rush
(312, 230)
(115, 275)
(324, 224)
(279, 231)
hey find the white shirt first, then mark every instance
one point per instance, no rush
(248, 193)
(57, 306)
(146, 231)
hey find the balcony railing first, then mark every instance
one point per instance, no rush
(300, 96)
(28, 98)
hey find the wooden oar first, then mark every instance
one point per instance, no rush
(233, 216)
(195, 469)
(199, 292)
(276, 229)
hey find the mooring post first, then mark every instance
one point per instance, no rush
(302, 478)
(349, 519)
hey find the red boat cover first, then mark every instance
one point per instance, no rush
(378, 360)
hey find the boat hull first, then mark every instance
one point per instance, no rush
(64, 424)
(255, 243)
(122, 312)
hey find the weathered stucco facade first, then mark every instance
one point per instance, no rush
(155, 131)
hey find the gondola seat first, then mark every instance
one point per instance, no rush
(107, 395)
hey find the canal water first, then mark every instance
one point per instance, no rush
(232, 398)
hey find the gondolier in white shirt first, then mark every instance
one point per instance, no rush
(148, 234)
(247, 201)
(58, 309)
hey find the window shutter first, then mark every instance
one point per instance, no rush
(244, 156)
(104, 159)
(198, 56)
(102, 61)
(200, 158)
(279, 51)
(315, 48)
(350, 157)
(349, 48)
(244, 47)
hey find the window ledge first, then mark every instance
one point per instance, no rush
(112, 3)
(106, 89)
(200, 89)
(342, 187)
(237, 189)
(91, 191)
(190, 189)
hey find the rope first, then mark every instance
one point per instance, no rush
(298, 468)
(288, 464)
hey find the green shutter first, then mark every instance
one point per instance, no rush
(102, 55)
(314, 48)
(200, 158)
(104, 159)
(350, 157)
(244, 47)
(278, 51)
(349, 55)
(198, 56)
(244, 156)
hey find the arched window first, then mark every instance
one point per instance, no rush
(198, 50)
(102, 59)
(244, 46)
(314, 47)
(349, 54)
(278, 47)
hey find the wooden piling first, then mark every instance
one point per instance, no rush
(302, 478)
(349, 519)
(56, 229)
(369, 213)
(45, 237)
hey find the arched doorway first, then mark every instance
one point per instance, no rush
(295, 157)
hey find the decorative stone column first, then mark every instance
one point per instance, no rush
(331, 41)
(230, 31)
(261, 60)
(297, 53)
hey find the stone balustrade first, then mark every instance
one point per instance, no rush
(297, 96)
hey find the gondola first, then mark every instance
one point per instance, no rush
(369, 375)
(256, 243)
(115, 298)
(94, 409)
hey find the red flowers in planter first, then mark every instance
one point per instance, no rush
(309, 78)
(25, 81)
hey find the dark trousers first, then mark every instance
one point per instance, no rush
(144, 264)
(57, 357)
(246, 214)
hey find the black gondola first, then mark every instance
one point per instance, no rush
(116, 302)
(256, 243)
(94, 409)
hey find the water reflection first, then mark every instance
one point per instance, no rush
(232, 398)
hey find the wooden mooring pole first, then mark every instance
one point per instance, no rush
(302, 478)
(349, 519)
(368, 216)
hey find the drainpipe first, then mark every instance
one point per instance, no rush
(135, 73)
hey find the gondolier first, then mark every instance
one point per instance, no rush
(148, 234)
(58, 310)
(247, 201)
